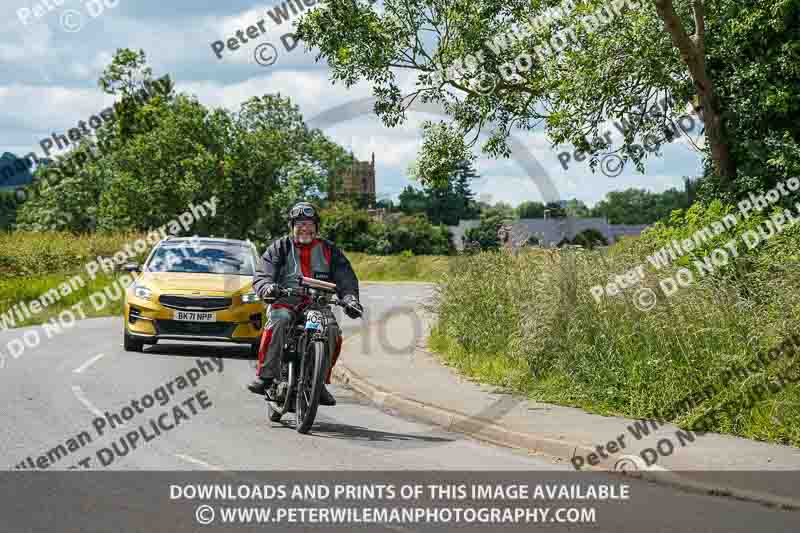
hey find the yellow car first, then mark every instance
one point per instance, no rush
(194, 289)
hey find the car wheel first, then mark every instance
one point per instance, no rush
(130, 344)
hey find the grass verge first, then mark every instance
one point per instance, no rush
(531, 325)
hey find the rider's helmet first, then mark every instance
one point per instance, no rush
(303, 211)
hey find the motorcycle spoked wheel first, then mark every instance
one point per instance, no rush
(309, 385)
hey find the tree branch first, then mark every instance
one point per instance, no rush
(698, 9)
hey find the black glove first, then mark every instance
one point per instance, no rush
(353, 309)
(272, 290)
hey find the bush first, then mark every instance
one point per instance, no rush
(347, 226)
(353, 230)
(589, 238)
(485, 234)
(9, 203)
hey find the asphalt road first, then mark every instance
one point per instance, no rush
(53, 392)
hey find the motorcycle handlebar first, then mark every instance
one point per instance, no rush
(289, 291)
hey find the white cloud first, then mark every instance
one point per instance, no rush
(26, 43)
(310, 90)
(45, 54)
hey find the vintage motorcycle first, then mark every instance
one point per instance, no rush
(307, 353)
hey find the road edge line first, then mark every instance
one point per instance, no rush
(555, 448)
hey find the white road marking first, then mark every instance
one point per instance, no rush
(82, 398)
(88, 363)
(190, 459)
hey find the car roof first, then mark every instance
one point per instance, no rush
(205, 241)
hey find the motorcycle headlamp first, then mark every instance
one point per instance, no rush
(250, 298)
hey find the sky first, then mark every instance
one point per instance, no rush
(53, 51)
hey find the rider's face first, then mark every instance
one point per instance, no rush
(304, 231)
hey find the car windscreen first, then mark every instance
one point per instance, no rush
(203, 259)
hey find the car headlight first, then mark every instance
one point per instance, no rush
(142, 292)
(250, 298)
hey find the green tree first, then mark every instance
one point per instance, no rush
(485, 234)
(171, 151)
(530, 210)
(554, 210)
(347, 226)
(465, 174)
(413, 201)
(638, 206)
(735, 60)
(576, 208)
(443, 201)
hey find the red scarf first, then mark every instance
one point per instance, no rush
(305, 256)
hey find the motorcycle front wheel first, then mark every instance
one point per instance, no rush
(309, 385)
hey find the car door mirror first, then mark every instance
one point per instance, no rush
(131, 267)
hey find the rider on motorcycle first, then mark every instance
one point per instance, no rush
(286, 258)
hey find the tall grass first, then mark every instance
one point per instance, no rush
(31, 253)
(31, 263)
(398, 267)
(530, 323)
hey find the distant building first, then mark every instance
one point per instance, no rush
(550, 231)
(358, 181)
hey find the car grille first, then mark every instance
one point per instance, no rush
(206, 329)
(205, 303)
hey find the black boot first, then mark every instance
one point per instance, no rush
(259, 385)
(326, 398)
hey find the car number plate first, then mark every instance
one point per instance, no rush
(195, 316)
